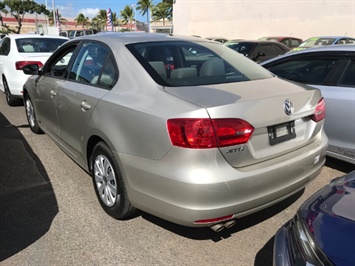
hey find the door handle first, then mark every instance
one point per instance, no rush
(53, 93)
(85, 106)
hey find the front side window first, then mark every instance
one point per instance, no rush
(307, 70)
(58, 65)
(185, 63)
(94, 65)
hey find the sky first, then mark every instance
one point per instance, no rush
(90, 8)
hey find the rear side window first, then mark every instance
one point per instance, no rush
(38, 45)
(348, 78)
(5, 46)
(309, 71)
(190, 63)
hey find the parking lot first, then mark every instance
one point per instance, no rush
(49, 214)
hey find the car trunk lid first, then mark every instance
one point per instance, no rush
(263, 104)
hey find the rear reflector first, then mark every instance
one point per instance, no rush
(214, 220)
(203, 133)
(20, 64)
(319, 113)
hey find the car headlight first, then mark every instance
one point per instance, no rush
(303, 247)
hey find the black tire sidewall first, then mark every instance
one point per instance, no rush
(122, 208)
(35, 129)
(9, 98)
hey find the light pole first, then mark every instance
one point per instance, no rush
(135, 24)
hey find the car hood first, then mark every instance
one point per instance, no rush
(260, 103)
(330, 216)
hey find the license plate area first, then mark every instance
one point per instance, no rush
(282, 132)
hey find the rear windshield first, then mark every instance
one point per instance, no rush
(185, 63)
(38, 45)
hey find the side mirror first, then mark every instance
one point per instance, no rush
(258, 55)
(31, 69)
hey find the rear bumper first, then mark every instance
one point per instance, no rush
(185, 187)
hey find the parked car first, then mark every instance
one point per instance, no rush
(180, 127)
(323, 230)
(77, 33)
(289, 41)
(258, 50)
(324, 40)
(18, 50)
(332, 70)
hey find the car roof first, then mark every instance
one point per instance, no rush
(136, 37)
(29, 35)
(316, 49)
(329, 36)
(282, 37)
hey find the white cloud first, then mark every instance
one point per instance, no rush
(89, 12)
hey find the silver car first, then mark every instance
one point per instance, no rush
(183, 128)
(332, 70)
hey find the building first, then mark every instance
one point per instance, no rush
(251, 19)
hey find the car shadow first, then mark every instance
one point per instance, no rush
(339, 165)
(205, 233)
(28, 203)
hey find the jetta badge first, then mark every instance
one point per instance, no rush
(288, 107)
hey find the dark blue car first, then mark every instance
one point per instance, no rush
(323, 230)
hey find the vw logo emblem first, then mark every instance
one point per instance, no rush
(288, 107)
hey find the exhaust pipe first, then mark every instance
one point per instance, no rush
(229, 224)
(217, 227)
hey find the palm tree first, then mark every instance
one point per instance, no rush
(100, 20)
(169, 6)
(51, 20)
(145, 6)
(161, 11)
(81, 20)
(127, 14)
(115, 20)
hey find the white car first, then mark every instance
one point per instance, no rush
(18, 50)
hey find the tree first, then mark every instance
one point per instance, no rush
(18, 9)
(127, 14)
(169, 7)
(51, 19)
(100, 20)
(161, 11)
(81, 20)
(144, 6)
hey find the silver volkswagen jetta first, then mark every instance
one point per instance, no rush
(180, 127)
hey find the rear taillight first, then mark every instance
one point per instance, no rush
(20, 64)
(208, 133)
(319, 113)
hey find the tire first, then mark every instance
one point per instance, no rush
(108, 183)
(10, 99)
(31, 115)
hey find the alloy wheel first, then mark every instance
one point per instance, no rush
(105, 180)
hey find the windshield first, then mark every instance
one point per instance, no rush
(317, 41)
(38, 45)
(186, 63)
